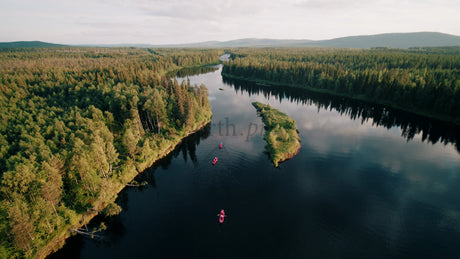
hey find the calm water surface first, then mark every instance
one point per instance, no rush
(368, 182)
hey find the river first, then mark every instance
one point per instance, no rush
(368, 182)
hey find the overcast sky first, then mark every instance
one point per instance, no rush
(186, 21)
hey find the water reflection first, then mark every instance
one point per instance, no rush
(188, 150)
(431, 130)
(191, 71)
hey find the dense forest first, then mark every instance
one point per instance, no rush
(420, 80)
(77, 125)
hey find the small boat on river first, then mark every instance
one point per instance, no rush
(221, 145)
(221, 216)
(214, 161)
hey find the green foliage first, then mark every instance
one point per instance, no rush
(74, 120)
(422, 80)
(112, 209)
(283, 142)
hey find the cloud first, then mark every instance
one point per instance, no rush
(191, 10)
(332, 4)
(105, 25)
(179, 21)
(373, 6)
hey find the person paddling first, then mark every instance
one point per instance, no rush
(221, 216)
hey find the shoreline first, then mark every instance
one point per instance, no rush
(131, 170)
(291, 155)
(281, 135)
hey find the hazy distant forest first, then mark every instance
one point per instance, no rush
(420, 80)
(78, 124)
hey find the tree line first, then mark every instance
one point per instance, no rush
(76, 124)
(420, 80)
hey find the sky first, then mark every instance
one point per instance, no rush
(188, 21)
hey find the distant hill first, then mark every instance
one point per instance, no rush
(29, 44)
(248, 42)
(391, 40)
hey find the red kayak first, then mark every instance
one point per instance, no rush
(221, 145)
(221, 216)
(214, 161)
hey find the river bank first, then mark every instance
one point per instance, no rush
(128, 172)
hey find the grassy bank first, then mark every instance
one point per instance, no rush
(283, 142)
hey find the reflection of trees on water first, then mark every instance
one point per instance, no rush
(188, 150)
(189, 144)
(431, 130)
(192, 71)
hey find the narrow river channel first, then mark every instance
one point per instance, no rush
(368, 182)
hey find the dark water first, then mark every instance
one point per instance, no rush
(369, 182)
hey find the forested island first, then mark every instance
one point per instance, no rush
(283, 141)
(77, 125)
(424, 81)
